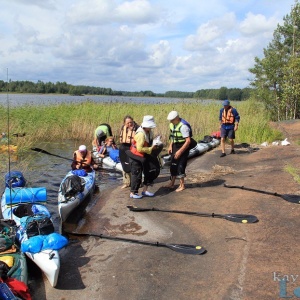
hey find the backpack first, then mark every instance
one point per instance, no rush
(14, 179)
(115, 155)
(39, 225)
(151, 168)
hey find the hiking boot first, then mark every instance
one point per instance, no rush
(232, 151)
(223, 154)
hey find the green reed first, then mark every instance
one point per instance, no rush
(79, 121)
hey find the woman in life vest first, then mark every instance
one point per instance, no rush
(140, 148)
(180, 136)
(82, 159)
(127, 133)
(229, 121)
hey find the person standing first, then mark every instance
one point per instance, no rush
(139, 149)
(181, 143)
(101, 133)
(229, 122)
(82, 159)
(127, 134)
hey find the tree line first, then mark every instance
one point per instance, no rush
(41, 87)
(277, 75)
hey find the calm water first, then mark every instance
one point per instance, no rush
(37, 99)
(48, 171)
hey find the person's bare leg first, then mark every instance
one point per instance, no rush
(223, 145)
(181, 185)
(171, 184)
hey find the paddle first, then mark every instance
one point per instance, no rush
(182, 248)
(230, 217)
(289, 198)
(48, 153)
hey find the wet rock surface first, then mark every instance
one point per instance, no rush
(243, 261)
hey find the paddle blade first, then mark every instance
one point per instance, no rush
(241, 218)
(186, 249)
(291, 198)
(134, 208)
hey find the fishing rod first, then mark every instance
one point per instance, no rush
(238, 218)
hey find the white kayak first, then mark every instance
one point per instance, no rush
(199, 149)
(106, 162)
(47, 260)
(73, 190)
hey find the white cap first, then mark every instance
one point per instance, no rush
(148, 122)
(82, 148)
(172, 115)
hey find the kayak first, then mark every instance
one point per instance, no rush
(19, 202)
(106, 162)
(199, 149)
(73, 190)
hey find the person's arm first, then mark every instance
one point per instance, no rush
(74, 163)
(236, 119)
(140, 140)
(185, 131)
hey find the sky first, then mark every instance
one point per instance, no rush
(137, 45)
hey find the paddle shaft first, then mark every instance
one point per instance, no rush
(182, 248)
(69, 159)
(252, 190)
(177, 211)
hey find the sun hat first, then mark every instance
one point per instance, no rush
(148, 122)
(82, 148)
(226, 102)
(172, 115)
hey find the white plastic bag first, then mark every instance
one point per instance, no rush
(157, 141)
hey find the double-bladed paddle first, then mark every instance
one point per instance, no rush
(287, 197)
(69, 159)
(230, 217)
(182, 248)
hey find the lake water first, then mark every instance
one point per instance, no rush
(46, 99)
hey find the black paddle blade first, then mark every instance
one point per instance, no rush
(186, 249)
(291, 198)
(241, 218)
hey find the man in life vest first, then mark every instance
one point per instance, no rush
(229, 121)
(82, 159)
(139, 152)
(181, 141)
(101, 133)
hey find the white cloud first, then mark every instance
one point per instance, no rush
(137, 44)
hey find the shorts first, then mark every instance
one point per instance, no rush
(230, 133)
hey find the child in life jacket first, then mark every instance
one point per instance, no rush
(108, 146)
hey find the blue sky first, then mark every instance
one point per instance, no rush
(157, 45)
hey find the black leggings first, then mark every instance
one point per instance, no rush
(178, 165)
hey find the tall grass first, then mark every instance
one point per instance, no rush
(79, 121)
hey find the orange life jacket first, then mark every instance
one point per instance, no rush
(227, 116)
(127, 134)
(134, 150)
(83, 162)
